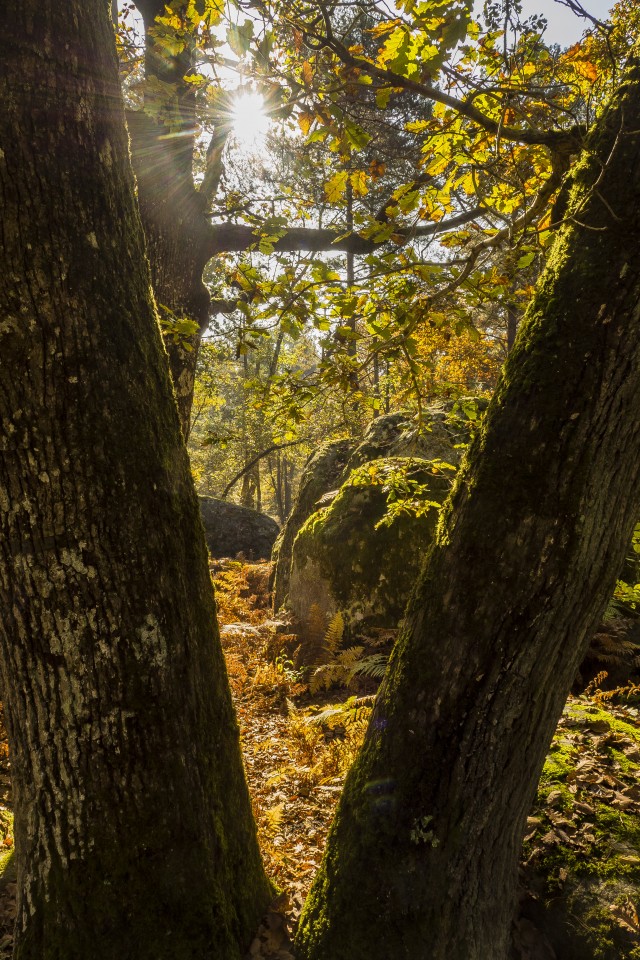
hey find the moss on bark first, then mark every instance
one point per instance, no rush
(134, 833)
(526, 557)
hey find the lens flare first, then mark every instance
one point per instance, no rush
(249, 119)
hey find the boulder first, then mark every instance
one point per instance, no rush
(361, 553)
(322, 473)
(440, 436)
(230, 530)
(398, 435)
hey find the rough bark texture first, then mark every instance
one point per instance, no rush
(133, 826)
(528, 551)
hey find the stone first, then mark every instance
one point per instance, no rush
(322, 474)
(231, 530)
(346, 559)
(442, 433)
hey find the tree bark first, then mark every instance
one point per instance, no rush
(178, 234)
(428, 831)
(134, 834)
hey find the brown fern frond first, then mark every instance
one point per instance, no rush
(334, 634)
(316, 625)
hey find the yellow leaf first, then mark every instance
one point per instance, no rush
(382, 28)
(336, 186)
(392, 46)
(585, 69)
(307, 73)
(304, 122)
(359, 183)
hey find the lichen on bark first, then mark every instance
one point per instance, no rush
(134, 834)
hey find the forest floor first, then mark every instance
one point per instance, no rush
(298, 745)
(301, 728)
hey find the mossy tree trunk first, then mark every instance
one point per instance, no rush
(423, 856)
(134, 832)
(177, 232)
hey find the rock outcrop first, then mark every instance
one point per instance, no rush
(323, 473)
(362, 553)
(231, 530)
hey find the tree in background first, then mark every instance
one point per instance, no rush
(501, 116)
(134, 833)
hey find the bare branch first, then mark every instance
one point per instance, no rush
(252, 463)
(580, 11)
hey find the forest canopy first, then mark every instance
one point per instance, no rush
(375, 248)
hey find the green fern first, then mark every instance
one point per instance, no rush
(355, 708)
(373, 666)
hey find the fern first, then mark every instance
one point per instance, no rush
(355, 708)
(316, 625)
(313, 639)
(341, 667)
(338, 671)
(334, 634)
(611, 645)
(373, 666)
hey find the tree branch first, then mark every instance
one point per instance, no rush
(549, 138)
(149, 10)
(252, 463)
(237, 237)
(214, 166)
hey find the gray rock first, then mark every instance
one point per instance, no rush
(231, 530)
(323, 472)
(393, 435)
(345, 559)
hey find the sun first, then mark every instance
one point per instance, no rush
(249, 119)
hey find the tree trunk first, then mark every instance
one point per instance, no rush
(177, 232)
(526, 556)
(134, 834)
(513, 317)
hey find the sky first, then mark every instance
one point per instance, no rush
(563, 25)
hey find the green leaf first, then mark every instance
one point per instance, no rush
(239, 37)
(356, 136)
(213, 10)
(382, 97)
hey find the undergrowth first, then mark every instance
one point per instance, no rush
(302, 725)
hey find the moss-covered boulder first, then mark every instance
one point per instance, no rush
(440, 434)
(362, 553)
(582, 850)
(323, 473)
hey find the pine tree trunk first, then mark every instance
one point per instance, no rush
(422, 859)
(134, 833)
